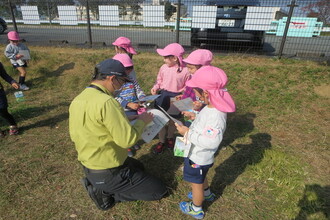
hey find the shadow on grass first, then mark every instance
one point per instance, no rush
(23, 114)
(231, 168)
(46, 74)
(50, 122)
(316, 199)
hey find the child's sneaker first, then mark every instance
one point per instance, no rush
(23, 87)
(170, 143)
(208, 198)
(186, 208)
(130, 152)
(158, 149)
(13, 130)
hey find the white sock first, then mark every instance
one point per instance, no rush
(196, 208)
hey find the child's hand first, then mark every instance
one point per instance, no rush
(178, 97)
(189, 115)
(153, 91)
(15, 85)
(181, 129)
(197, 105)
(133, 105)
(19, 56)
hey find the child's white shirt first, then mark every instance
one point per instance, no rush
(205, 134)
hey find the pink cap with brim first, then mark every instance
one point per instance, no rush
(13, 35)
(125, 43)
(213, 80)
(199, 57)
(124, 59)
(174, 49)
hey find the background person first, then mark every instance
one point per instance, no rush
(171, 80)
(124, 45)
(12, 52)
(102, 134)
(13, 130)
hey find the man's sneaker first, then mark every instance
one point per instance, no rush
(136, 147)
(158, 149)
(13, 130)
(23, 87)
(102, 200)
(170, 143)
(208, 198)
(130, 152)
(186, 208)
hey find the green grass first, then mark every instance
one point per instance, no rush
(273, 162)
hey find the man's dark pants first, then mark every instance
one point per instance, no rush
(128, 182)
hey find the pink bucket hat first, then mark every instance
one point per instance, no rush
(174, 49)
(125, 43)
(13, 35)
(213, 80)
(124, 59)
(199, 57)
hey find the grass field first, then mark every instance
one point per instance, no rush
(274, 162)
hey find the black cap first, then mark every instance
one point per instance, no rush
(111, 67)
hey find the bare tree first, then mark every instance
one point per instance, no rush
(320, 9)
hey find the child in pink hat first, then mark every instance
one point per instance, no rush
(205, 134)
(18, 61)
(171, 80)
(130, 93)
(194, 61)
(124, 45)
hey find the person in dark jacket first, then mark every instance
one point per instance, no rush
(13, 129)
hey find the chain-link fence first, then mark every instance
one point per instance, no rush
(272, 27)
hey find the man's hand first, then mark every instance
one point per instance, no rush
(133, 105)
(19, 56)
(181, 129)
(146, 117)
(15, 85)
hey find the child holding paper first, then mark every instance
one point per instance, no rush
(12, 52)
(194, 61)
(171, 80)
(205, 134)
(13, 130)
(130, 93)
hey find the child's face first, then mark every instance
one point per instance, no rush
(15, 42)
(202, 96)
(128, 70)
(192, 68)
(170, 60)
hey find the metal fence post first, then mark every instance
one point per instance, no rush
(12, 15)
(292, 5)
(178, 11)
(89, 25)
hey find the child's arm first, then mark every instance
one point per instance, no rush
(7, 78)
(139, 92)
(158, 83)
(10, 53)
